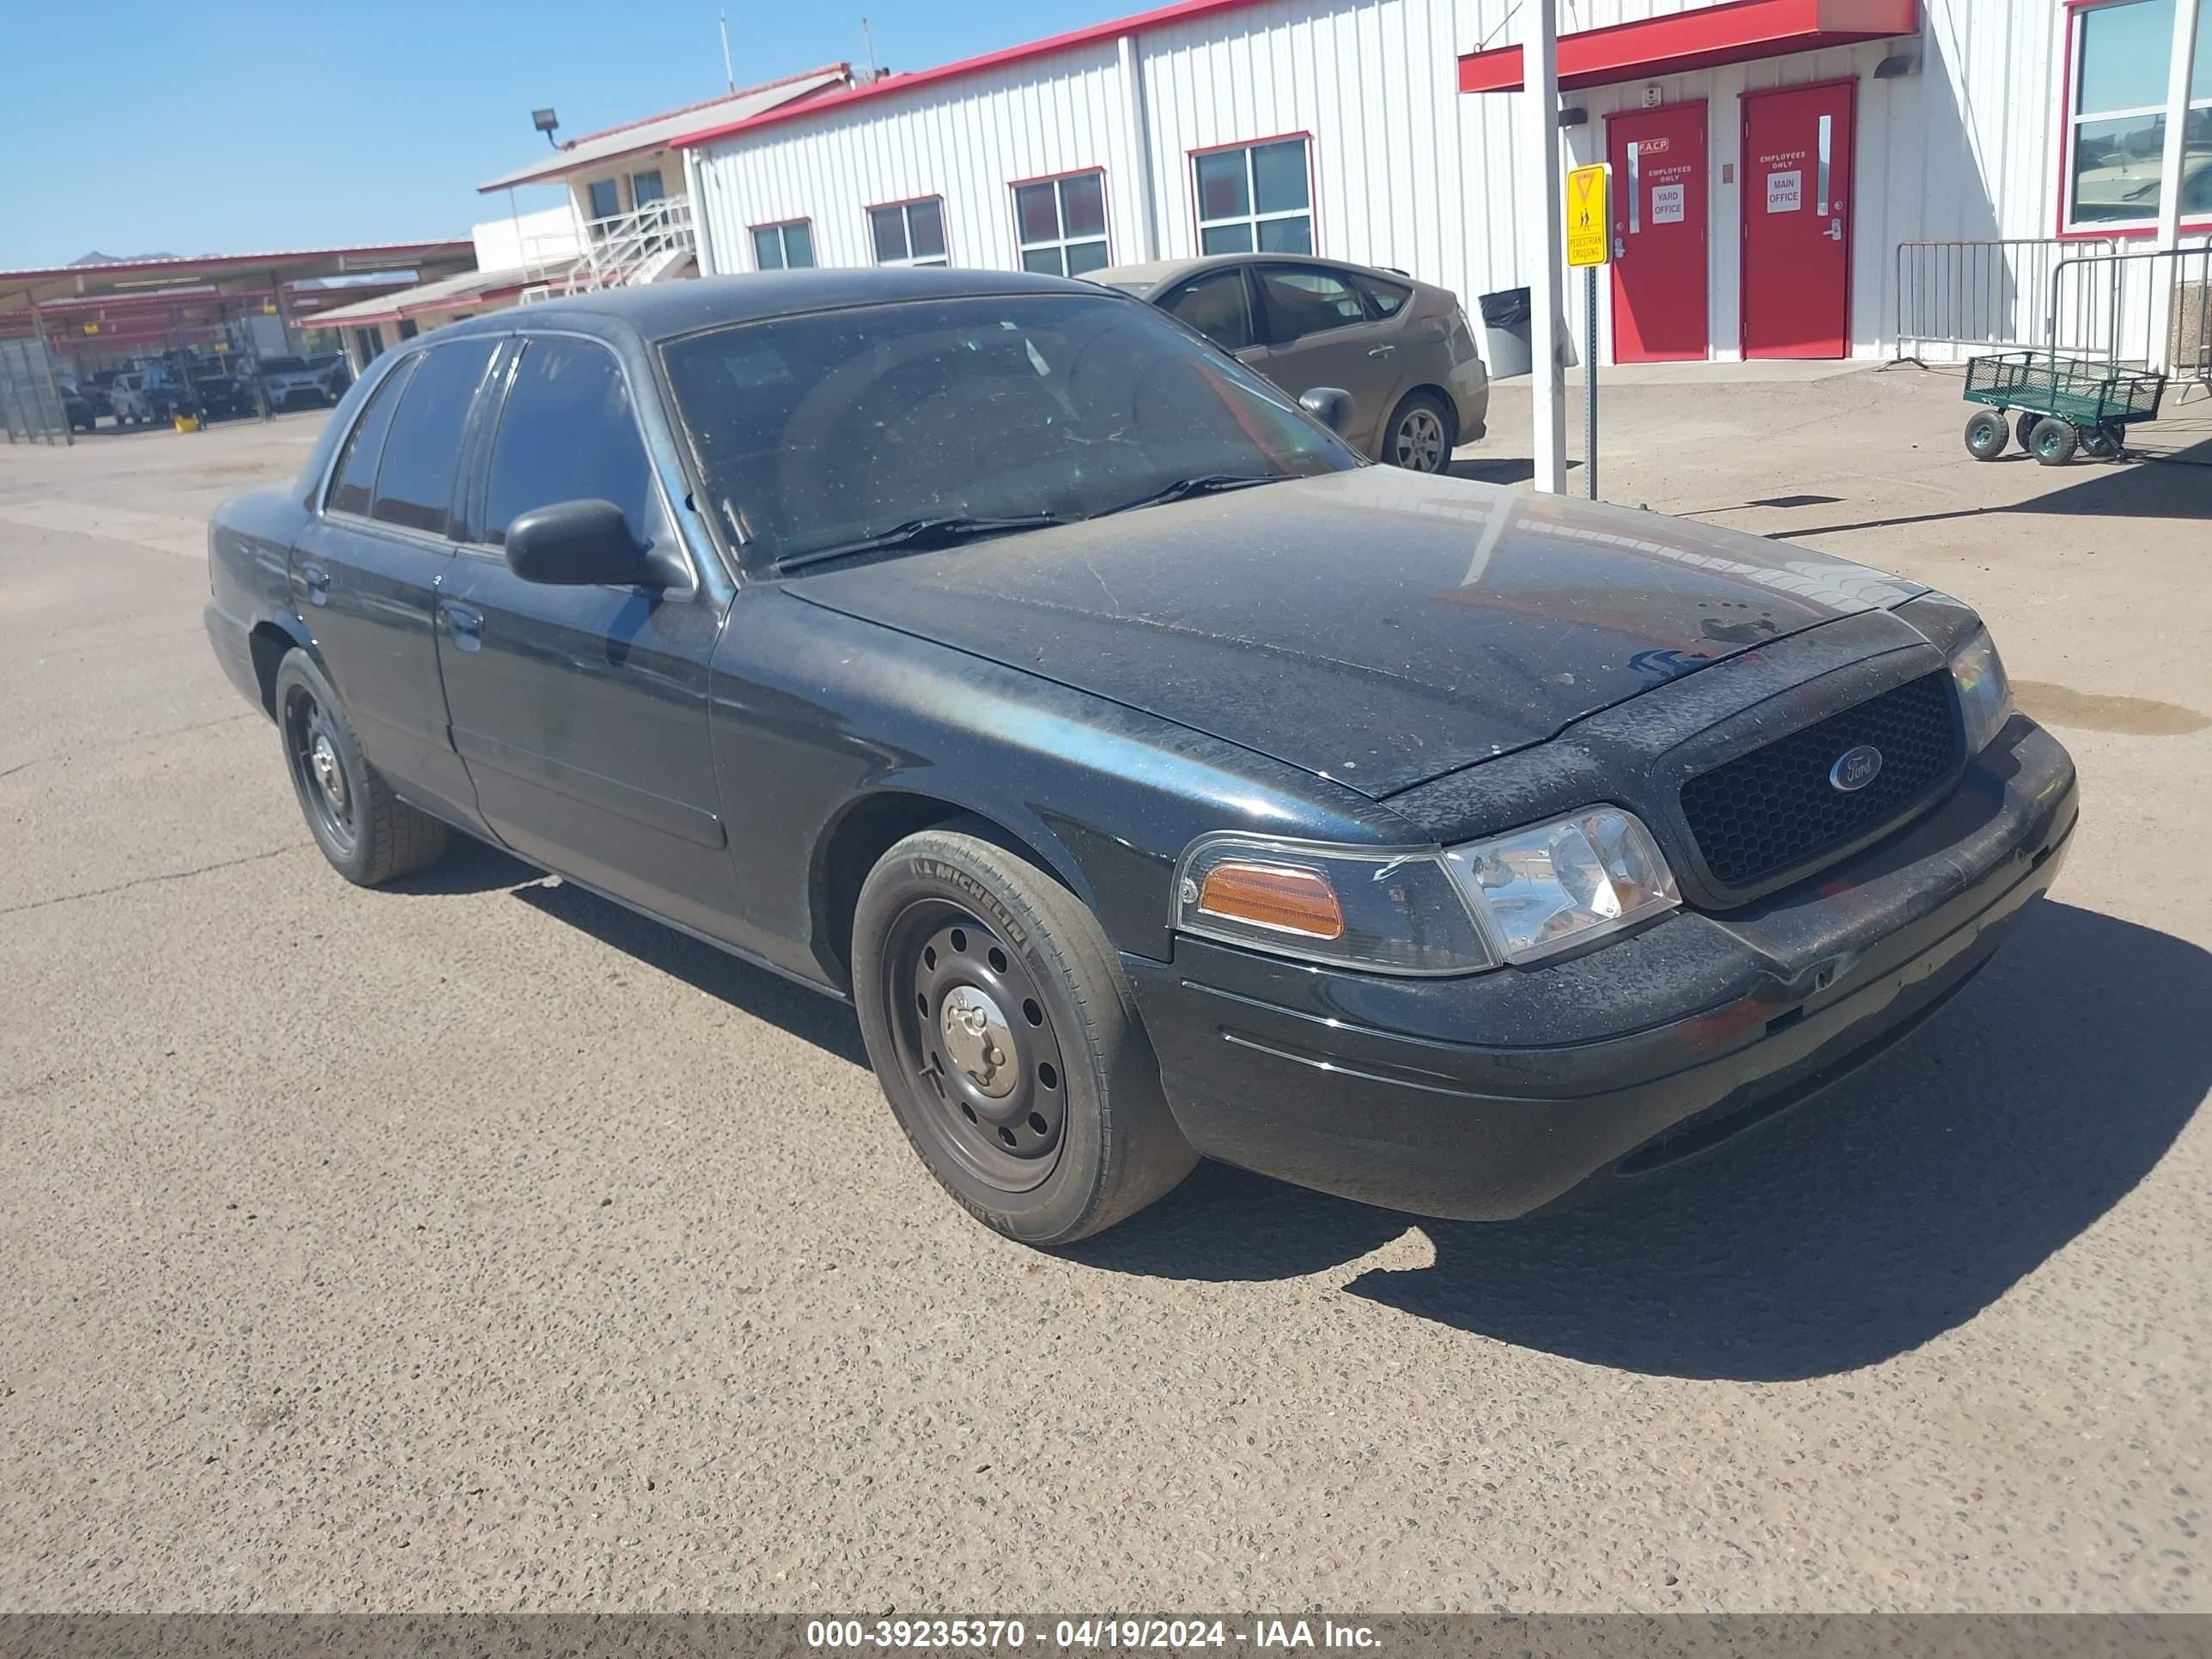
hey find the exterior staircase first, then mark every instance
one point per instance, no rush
(653, 243)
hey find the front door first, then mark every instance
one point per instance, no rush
(581, 710)
(1796, 222)
(1659, 264)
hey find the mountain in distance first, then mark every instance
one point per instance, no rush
(96, 258)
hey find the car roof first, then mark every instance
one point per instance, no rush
(658, 311)
(1159, 273)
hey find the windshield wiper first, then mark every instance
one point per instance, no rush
(1206, 483)
(939, 531)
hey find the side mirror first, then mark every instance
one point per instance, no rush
(574, 543)
(1330, 404)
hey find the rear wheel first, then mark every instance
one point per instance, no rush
(2024, 428)
(2054, 440)
(2103, 442)
(1006, 1040)
(369, 835)
(1418, 436)
(1986, 435)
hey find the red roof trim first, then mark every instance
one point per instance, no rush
(1143, 22)
(1732, 33)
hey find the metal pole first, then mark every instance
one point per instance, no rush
(1540, 78)
(1590, 376)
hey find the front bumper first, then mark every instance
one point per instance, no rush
(1487, 1098)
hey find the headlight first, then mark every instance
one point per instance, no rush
(1517, 897)
(1984, 694)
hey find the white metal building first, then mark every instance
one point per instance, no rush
(1779, 152)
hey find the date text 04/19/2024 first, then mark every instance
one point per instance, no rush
(1111, 1634)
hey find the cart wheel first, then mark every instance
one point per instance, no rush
(1986, 435)
(2103, 443)
(2054, 440)
(2023, 427)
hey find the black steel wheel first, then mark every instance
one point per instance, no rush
(369, 834)
(1007, 1039)
(2103, 442)
(2054, 440)
(1986, 435)
(976, 1043)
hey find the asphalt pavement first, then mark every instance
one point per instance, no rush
(475, 1244)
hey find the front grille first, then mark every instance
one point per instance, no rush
(1774, 809)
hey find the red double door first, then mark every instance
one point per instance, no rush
(1797, 221)
(1796, 193)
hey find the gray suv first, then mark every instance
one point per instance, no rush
(1402, 348)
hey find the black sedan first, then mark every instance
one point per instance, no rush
(1157, 778)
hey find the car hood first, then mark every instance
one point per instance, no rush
(1376, 627)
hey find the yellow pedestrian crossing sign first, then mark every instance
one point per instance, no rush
(1590, 238)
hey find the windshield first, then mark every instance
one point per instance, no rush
(817, 431)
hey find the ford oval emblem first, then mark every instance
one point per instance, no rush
(1854, 769)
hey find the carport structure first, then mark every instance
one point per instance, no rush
(102, 316)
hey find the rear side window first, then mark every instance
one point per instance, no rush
(355, 478)
(1388, 299)
(1301, 302)
(422, 455)
(1216, 306)
(567, 433)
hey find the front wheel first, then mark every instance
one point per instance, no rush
(997, 1018)
(1986, 435)
(369, 835)
(1418, 436)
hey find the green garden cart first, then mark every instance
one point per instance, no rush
(2063, 404)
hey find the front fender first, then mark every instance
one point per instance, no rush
(817, 714)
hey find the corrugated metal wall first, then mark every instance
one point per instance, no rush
(1406, 170)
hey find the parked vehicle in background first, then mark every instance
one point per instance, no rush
(144, 395)
(295, 383)
(1402, 348)
(76, 407)
(93, 389)
(218, 393)
(330, 370)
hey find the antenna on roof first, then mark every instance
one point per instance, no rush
(729, 74)
(868, 41)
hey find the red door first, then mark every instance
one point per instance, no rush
(1797, 221)
(1659, 270)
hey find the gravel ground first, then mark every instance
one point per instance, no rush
(478, 1245)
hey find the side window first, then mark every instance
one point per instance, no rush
(1301, 302)
(567, 433)
(1388, 299)
(354, 478)
(423, 456)
(1216, 306)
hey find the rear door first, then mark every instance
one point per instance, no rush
(582, 711)
(1317, 331)
(366, 570)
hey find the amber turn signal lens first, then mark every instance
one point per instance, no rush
(1272, 896)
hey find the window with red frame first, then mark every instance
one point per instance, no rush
(2115, 116)
(1062, 224)
(1257, 198)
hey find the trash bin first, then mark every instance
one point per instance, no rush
(1505, 332)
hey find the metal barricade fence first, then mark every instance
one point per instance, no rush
(1986, 295)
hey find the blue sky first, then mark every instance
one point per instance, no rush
(235, 126)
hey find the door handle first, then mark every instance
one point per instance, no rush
(1619, 247)
(1835, 230)
(317, 582)
(464, 624)
(1381, 350)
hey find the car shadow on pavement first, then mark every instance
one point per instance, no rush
(1878, 1216)
(808, 1015)
(469, 865)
